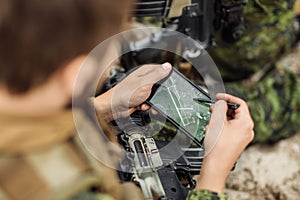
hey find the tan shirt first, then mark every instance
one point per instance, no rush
(42, 158)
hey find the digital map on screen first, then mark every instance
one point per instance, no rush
(175, 98)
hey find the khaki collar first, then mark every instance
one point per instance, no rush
(20, 134)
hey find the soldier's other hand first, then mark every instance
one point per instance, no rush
(226, 138)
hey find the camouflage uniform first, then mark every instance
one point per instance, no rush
(250, 69)
(42, 159)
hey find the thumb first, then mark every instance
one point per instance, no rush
(219, 110)
(216, 124)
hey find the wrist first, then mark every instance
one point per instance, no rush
(103, 106)
(213, 175)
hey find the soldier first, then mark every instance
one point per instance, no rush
(251, 69)
(43, 44)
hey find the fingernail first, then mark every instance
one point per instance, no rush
(166, 66)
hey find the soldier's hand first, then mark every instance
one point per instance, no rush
(132, 92)
(229, 132)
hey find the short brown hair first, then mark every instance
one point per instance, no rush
(38, 36)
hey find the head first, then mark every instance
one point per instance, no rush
(41, 38)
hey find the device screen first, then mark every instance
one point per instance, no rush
(175, 97)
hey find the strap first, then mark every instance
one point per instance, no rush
(297, 7)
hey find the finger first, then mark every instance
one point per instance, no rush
(154, 73)
(144, 107)
(230, 112)
(207, 126)
(211, 107)
(218, 113)
(243, 107)
(252, 134)
(215, 126)
(154, 112)
(229, 98)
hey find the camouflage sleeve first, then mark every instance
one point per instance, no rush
(206, 195)
(92, 196)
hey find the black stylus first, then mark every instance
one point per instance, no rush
(230, 105)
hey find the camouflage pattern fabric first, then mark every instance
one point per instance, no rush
(269, 33)
(207, 195)
(92, 196)
(251, 70)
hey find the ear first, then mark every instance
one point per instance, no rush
(68, 74)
